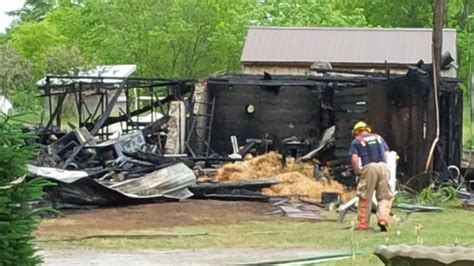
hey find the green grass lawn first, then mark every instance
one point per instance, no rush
(444, 228)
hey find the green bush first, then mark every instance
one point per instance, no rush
(402, 197)
(17, 218)
(443, 196)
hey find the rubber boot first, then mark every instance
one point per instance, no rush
(383, 213)
(363, 216)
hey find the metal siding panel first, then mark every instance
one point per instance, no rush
(342, 45)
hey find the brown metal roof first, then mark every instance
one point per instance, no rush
(342, 45)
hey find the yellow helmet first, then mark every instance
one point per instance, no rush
(359, 126)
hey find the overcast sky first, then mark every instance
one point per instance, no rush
(5, 6)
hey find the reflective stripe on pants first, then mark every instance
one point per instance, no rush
(374, 178)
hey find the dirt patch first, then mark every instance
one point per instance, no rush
(151, 216)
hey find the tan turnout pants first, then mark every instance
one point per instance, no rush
(374, 178)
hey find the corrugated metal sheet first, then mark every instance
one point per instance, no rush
(170, 182)
(77, 187)
(342, 45)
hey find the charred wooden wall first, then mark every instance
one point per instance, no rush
(405, 100)
(412, 124)
(397, 109)
(282, 110)
(350, 106)
(450, 143)
(394, 109)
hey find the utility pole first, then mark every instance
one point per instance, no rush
(438, 17)
(437, 37)
(470, 76)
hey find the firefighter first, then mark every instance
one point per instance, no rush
(369, 153)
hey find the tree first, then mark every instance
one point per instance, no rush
(392, 14)
(17, 218)
(307, 13)
(178, 38)
(33, 39)
(17, 80)
(195, 38)
(33, 10)
(203, 37)
(65, 60)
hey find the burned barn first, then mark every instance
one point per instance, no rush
(290, 114)
(194, 128)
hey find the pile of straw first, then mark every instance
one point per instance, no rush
(296, 178)
(297, 184)
(264, 166)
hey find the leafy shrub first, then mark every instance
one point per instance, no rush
(17, 218)
(402, 197)
(442, 196)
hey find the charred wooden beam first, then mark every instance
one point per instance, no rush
(56, 114)
(155, 126)
(123, 118)
(97, 126)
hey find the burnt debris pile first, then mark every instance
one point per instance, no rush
(115, 141)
